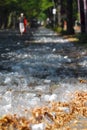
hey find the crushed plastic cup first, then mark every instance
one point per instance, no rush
(47, 98)
(40, 126)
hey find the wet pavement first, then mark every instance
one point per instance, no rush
(38, 67)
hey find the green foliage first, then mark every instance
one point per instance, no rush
(7, 2)
(45, 4)
(58, 29)
(75, 10)
(33, 8)
(42, 16)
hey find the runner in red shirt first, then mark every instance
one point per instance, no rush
(25, 24)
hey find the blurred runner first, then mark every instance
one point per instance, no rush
(25, 24)
(21, 23)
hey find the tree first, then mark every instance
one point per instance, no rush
(70, 29)
(6, 6)
(82, 16)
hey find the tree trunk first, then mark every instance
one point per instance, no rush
(70, 29)
(59, 12)
(82, 16)
(3, 17)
